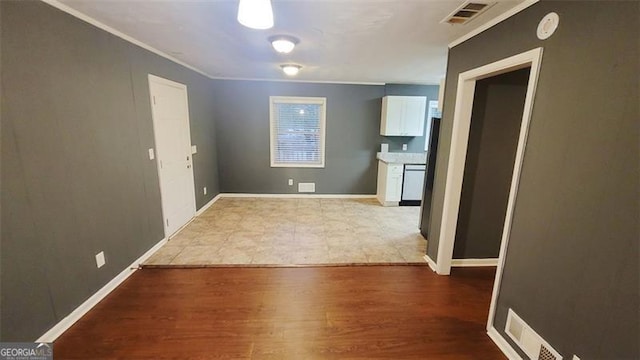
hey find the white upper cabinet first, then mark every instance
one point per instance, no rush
(403, 115)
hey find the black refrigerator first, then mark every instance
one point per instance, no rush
(429, 177)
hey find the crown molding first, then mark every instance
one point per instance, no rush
(493, 22)
(86, 18)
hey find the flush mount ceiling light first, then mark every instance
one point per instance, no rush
(283, 44)
(291, 69)
(255, 14)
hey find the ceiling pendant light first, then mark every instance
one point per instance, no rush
(283, 44)
(291, 69)
(255, 14)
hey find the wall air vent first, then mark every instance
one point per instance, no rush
(306, 187)
(528, 340)
(466, 12)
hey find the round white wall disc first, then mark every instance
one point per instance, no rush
(548, 25)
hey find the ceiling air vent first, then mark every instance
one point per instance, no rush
(546, 354)
(466, 12)
(528, 340)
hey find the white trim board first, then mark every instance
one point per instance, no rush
(198, 213)
(459, 141)
(430, 262)
(503, 344)
(181, 228)
(493, 22)
(63, 325)
(457, 157)
(474, 262)
(208, 205)
(88, 19)
(335, 82)
(297, 196)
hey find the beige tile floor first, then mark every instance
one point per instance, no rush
(264, 231)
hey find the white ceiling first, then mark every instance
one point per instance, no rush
(359, 41)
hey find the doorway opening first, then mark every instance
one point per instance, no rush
(463, 111)
(493, 138)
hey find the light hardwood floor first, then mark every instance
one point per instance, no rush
(267, 231)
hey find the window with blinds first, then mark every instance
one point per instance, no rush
(297, 131)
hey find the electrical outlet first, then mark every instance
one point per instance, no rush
(100, 260)
(404, 147)
(205, 190)
(290, 182)
(152, 154)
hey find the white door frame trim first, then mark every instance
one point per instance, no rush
(157, 79)
(457, 156)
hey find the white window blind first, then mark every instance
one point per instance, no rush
(297, 131)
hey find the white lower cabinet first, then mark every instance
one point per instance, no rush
(389, 189)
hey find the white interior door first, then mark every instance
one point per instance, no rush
(170, 113)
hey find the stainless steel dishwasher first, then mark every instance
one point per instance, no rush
(412, 184)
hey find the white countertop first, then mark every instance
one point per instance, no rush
(402, 157)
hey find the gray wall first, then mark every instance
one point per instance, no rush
(493, 138)
(414, 144)
(1, 87)
(353, 127)
(76, 179)
(572, 265)
(353, 124)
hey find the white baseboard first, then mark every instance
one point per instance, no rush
(52, 334)
(432, 264)
(298, 196)
(474, 262)
(389, 203)
(503, 345)
(208, 205)
(198, 213)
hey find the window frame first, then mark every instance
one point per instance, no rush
(432, 111)
(273, 133)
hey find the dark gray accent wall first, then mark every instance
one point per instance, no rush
(496, 117)
(76, 177)
(571, 268)
(202, 117)
(415, 143)
(352, 135)
(0, 171)
(352, 140)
